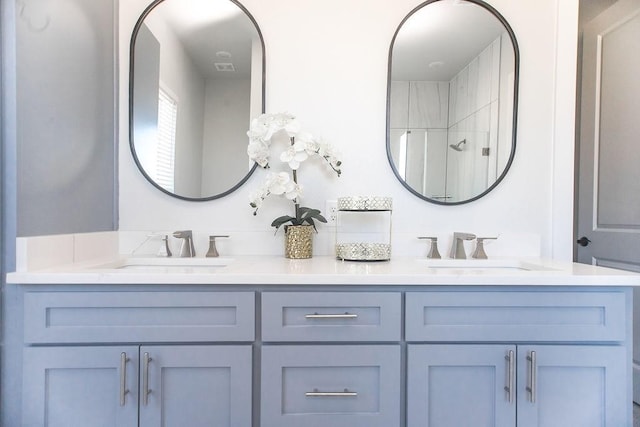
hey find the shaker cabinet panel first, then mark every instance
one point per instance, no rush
(330, 385)
(572, 386)
(517, 385)
(80, 386)
(81, 317)
(331, 316)
(515, 316)
(461, 385)
(154, 385)
(195, 386)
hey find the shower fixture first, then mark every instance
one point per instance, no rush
(457, 146)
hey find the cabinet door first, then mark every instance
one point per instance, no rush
(582, 386)
(461, 385)
(195, 386)
(80, 386)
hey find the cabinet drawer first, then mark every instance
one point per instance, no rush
(516, 316)
(333, 316)
(81, 317)
(330, 385)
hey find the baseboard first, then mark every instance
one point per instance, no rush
(636, 383)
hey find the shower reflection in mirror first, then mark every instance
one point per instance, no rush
(451, 101)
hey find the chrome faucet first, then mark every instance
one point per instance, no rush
(187, 250)
(457, 247)
(479, 253)
(164, 250)
(213, 251)
(433, 251)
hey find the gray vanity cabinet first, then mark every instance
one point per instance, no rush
(311, 377)
(487, 385)
(195, 386)
(113, 386)
(356, 356)
(330, 385)
(80, 386)
(555, 359)
(459, 385)
(191, 364)
(574, 385)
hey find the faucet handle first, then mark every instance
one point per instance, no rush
(213, 251)
(164, 250)
(433, 251)
(479, 253)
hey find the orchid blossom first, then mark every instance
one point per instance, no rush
(301, 147)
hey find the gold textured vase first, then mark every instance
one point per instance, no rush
(298, 241)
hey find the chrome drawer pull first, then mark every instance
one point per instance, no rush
(123, 378)
(510, 375)
(531, 387)
(145, 379)
(331, 316)
(345, 393)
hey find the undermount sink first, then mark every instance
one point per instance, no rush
(486, 264)
(168, 264)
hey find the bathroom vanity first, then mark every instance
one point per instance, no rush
(275, 342)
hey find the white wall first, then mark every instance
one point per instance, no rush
(180, 77)
(335, 82)
(226, 119)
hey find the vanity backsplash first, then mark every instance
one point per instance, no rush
(40, 252)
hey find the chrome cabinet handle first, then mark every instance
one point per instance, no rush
(510, 375)
(331, 316)
(345, 393)
(531, 388)
(123, 378)
(145, 379)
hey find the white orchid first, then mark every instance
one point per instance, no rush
(258, 151)
(294, 154)
(256, 198)
(280, 183)
(262, 130)
(302, 146)
(331, 155)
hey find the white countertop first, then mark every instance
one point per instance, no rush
(326, 270)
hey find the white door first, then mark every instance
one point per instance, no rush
(608, 229)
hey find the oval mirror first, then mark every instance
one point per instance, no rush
(196, 80)
(451, 100)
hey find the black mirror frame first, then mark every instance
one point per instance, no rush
(132, 44)
(516, 80)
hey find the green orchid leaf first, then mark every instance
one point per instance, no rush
(311, 223)
(320, 218)
(282, 220)
(304, 215)
(309, 212)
